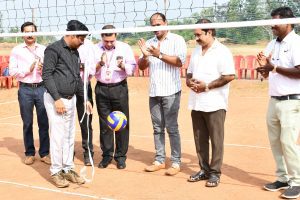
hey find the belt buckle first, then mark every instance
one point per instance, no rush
(34, 85)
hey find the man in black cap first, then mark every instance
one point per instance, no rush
(63, 83)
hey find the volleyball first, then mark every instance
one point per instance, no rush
(116, 120)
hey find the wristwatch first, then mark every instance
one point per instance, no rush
(160, 56)
(206, 87)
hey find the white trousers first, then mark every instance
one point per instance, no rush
(62, 134)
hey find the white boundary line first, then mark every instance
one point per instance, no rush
(10, 117)
(8, 102)
(54, 190)
(139, 136)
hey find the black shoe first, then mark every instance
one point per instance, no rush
(121, 164)
(105, 162)
(277, 185)
(86, 159)
(213, 180)
(201, 175)
(293, 192)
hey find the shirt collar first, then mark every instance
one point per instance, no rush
(288, 37)
(166, 38)
(25, 45)
(104, 49)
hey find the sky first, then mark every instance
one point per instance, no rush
(53, 15)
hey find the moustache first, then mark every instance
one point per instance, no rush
(29, 37)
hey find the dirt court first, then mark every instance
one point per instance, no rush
(248, 162)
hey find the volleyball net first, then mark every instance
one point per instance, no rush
(237, 22)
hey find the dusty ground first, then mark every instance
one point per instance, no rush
(248, 163)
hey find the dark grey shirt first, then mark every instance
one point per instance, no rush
(61, 74)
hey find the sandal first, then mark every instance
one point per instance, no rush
(213, 181)
(201, 175)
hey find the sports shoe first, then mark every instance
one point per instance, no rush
(46, 159)
(173, 170)
(59, 180)
(277, 185)
(73, 177)
(155, 166)
(29, 160)
(293, 192)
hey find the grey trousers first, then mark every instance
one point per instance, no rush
(209, 126)
(164, 114)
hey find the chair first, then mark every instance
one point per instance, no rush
(5, 81)
(239, 65)
(250, 65)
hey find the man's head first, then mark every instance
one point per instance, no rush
(74, 41)
(29, 27)
(108, 39)
(280, 13)
(159, 19)
(204, 36)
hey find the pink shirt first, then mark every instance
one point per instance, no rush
(87, 54)
(121, 50)
(22, 58)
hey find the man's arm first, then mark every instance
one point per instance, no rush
(50, 61)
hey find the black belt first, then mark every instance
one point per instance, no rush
(112, 84)
(33, 85)
(67, 96)
(287, 97)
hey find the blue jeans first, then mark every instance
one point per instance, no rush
(28, 98)
(164, 114)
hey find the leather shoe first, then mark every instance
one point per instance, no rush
(105, 162)
(121, 164)
(201, 175)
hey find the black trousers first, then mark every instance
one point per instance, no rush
(112, 97)
(84, 126)
(209, 126)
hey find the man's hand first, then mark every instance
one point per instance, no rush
(120, 63)
(102, 61)
(143, 48)
(154, 51)
(32, 66)
(60, 107)
(196, 85)
(265, 64)
(89, 108)
(40, 66)
(261, 59)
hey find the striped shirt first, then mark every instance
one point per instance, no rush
(165, 78)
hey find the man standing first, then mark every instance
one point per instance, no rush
(87, 69)
(62, 80)
(211, 69)
(115, 64)
(164, 54)
(26, 63)
(281, 63)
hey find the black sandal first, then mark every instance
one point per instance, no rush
(213, 181)
(201, 175)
